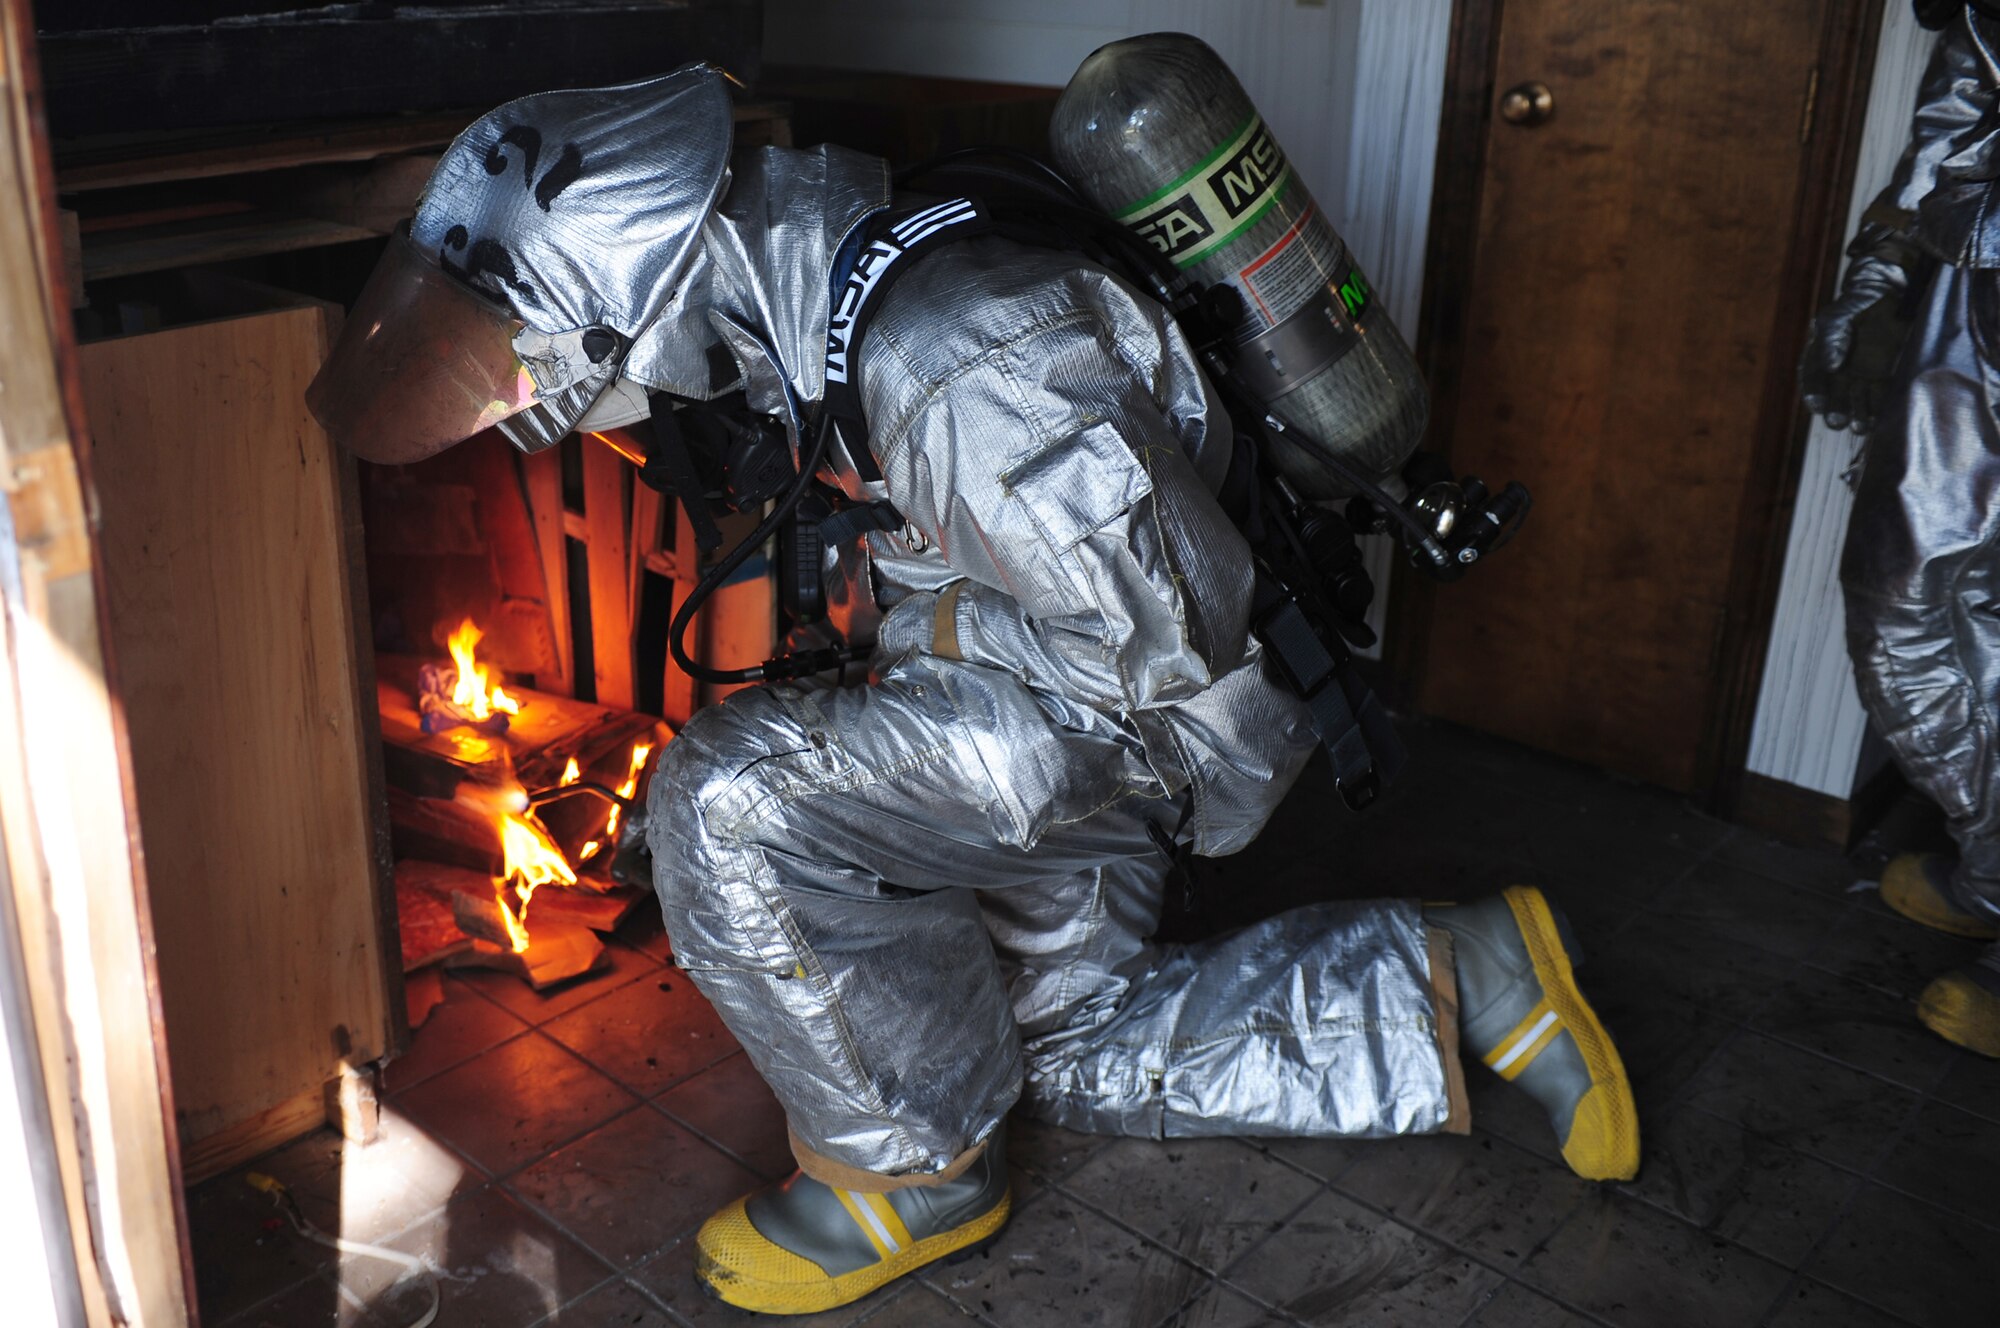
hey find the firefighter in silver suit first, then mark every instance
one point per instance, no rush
(1909, 354)
(922, 902)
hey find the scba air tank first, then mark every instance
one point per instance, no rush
(1158, 133)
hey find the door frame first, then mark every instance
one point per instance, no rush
(74, 874)
(1778, 435)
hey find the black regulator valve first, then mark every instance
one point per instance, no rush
(1461, 519)
(756, 462)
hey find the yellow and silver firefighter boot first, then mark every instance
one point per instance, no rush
(1918, 885)
(1963, 1006)
(1520, 1013)
(802, 1247)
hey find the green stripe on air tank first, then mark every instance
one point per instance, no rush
(1229, 144)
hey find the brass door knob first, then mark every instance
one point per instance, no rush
(1527, 104)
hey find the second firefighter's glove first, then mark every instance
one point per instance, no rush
(1854, 344)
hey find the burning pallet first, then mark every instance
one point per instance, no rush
(492, 797)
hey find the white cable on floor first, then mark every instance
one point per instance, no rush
(282, 1197)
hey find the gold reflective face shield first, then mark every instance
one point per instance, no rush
(421, 363)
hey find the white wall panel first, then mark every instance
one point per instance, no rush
(1384, 209)
(1809, 723)
(1296, 61)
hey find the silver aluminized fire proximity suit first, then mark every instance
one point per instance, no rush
(1921, 569)
(917, 901)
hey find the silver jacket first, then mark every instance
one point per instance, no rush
(1941, 192)
(917, 901)
(1921, 567)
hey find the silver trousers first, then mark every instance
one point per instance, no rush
(1921, 571)
(841, 876)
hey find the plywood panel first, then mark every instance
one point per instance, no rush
(230, 609)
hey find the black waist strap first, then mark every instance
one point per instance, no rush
(1346, 713)
(851, 522)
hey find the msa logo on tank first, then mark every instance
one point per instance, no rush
(1221, 196)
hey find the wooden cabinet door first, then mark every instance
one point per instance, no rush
(231, 602)
(1624, 346)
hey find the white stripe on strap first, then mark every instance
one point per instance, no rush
(912, 222)
(964, 214)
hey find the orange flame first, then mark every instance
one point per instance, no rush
(532, 861)
(570, 773)
(471, 693)
(640, 751)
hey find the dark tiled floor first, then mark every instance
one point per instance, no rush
(1813, 1156)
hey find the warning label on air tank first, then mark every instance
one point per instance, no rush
(1304, 261)
(1225, 193)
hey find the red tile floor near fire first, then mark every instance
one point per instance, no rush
(1813, 1157)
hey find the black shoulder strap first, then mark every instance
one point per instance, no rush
(890, 245)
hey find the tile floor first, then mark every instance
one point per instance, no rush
(1813, 1157)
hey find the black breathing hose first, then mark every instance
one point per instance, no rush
(1019, 156)
(711, 580)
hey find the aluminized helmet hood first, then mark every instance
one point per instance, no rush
(573, 214)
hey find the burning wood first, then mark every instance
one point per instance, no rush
(457, 695)
(558, 952)
(629, 789)
(494, 881)
(549, 954)
(427, 908)
(532, 861)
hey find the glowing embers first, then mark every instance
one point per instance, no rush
(629, 789)
(458, 694)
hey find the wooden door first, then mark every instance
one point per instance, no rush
(1622, 342)
(226, 517)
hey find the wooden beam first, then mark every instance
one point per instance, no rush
(605, 477)
(541, 477)
(125, 163)
(208, 240)
(373, 196)
(245, 1139)
(404, 59)
(648, 511)
(680, 694)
